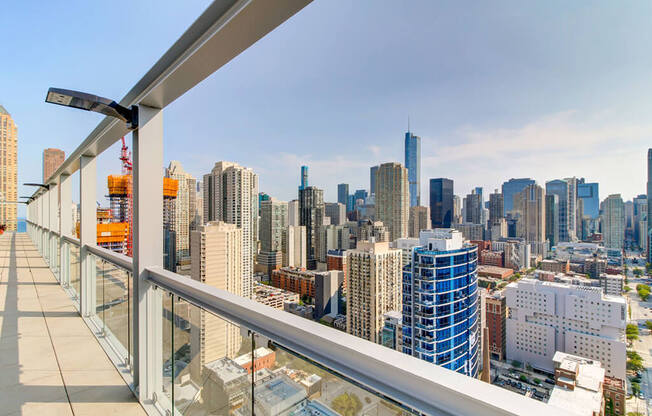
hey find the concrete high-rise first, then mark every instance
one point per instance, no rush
(572, 207)
(336, 211)
(413, 166)
(552, 219)
(472, 206)
(560, 188)
(52, 159)
(392, 199)
(613, 221)
(184, 209)
(419, 220)
(311, 216)
(649, 205)
(293, 212)
(294, 246)
(231, 195)
(441, 306)
(343, 194)
(512, 187)
(496, 208)
(217, 262)
(546, 317)
(530, 206)
(441, 202)
(9, 171)
(373, 288)
(273, 223)
(373, 171)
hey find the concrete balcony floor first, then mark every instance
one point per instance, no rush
(50, 361)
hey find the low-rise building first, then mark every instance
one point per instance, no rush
(393, 330)
(295, 280)
(304, 311)
(578, 385)
(615, 394)
(495, 314)
(612, 284)
(273, 296)
(264, 358)
(556, 266)
(495, 272)
(595, 266)
(492, 258)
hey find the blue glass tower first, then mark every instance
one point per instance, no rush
(343, 194)
(511, 188)
(589, 193)
(304, 178)
(441, 303)
(413, 165)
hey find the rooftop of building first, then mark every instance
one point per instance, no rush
(258, 353)
(586, 397)
(4, 110)
(226, 369)
(579, 289)
(394, 315)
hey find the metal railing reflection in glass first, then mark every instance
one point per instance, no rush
(75, 281)
(214, 366)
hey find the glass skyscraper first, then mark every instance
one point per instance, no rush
(588, 192)
(413, 165)
(343, 194)
(441, 202)
(560, 188)
(441, 303)
(304, 178)
(511, 188)
(372, 179)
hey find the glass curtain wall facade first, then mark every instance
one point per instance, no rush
(441, 308)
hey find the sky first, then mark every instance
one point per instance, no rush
(495, 89)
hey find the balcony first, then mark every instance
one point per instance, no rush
(176, 345)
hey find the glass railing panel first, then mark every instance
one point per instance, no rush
(113, 309)
(201, 371)
(75, 280)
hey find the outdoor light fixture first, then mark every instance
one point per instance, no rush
(44, 186)
(90, 102)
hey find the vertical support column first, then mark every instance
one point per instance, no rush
(54, 227)
(87, 232)
(148, 250)
(65, 226)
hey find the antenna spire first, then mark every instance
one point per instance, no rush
(408, 123)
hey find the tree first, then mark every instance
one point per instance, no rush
(523, 378)
(609, 407)
(638, 272)
(648, 325)
(636, 388)
(537, 380)
(516, 364)
(627, 289)
(347, 404)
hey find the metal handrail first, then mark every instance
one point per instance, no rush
(408, 380)
(71, 240)
(112, 257)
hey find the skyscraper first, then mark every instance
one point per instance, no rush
(373, 288)
(311, 216)
(530, 205)
(560, 188)
(231, 195)
(441, 202)
(649, 205)
(304, 178)
(413, 166)
(572, 207)
(343, 194)
(9, 171)
(217, 262)
(392, 199)
(294, 246)
(372, 179)
(419, 220)
(273, 222)
(336, 212)
(589, 193)
(496, 208)
(613, 221)
(473, 208)
(512, 187)
(441, 303)
(184, 211)
(52, 159)
(552, 219)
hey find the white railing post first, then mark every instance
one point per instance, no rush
(147, 250)
(53, 197)
(65, 227)
(87, 232)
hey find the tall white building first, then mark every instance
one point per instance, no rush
(231, 195)
(546, 317)
(293, 212)
(217, 262)
(184, 206)
(294, 246)
(613, 221)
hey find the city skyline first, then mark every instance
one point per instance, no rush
(552, 128)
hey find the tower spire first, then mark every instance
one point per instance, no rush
(408, 123)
